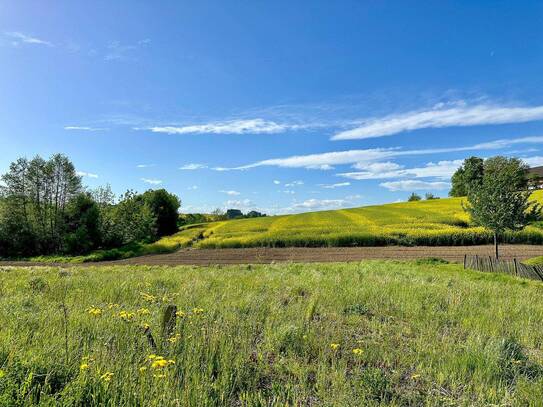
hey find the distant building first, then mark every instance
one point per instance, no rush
(535, 175)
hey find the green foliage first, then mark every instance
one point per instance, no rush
(502, 201)
(406, 335)
(467, 177)
(83, 232)
(414, 197)
(164, 207)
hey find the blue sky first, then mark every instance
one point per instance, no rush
(280, 106)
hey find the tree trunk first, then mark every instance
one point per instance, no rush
(496, 244)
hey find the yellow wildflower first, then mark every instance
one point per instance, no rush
(84, 366)
(148, 297)
(106, 377)
(159, 364)
(197, 310)
(358, 351)
(153, 356)
(126, 316)
(143, 369)
(334, 346)
(159, 376)
(143, 311)
(145, 325)
(174, 339)
(2, 373)
(180, 314)
(94, 311)
(415, 376)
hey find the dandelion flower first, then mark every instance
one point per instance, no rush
(84, 366)
(151, 357)
(334, 346)
(415, 376)
(180, 314)
(159, 364)
(197, 310)
(94, 311)
(2, 373)
(143, 311)
(358, 351)
(106, 377)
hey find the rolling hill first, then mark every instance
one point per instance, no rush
(434, 222)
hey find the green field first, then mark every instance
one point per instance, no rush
(372, 333)
(434, 222)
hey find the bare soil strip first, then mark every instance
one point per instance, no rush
(311, 255)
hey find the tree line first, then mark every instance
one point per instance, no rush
(45, 209)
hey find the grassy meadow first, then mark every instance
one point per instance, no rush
(371, 333)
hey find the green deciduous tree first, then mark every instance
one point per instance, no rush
(467, 177)
(164, 207)
(502, 200)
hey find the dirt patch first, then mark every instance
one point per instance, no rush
(311, 255)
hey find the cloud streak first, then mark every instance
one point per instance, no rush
(84, 128)
(414, 185)
(87, 174)
(152, 181)
(437, 118)
(249, 126)
(378, 154)
(441, 169)
(21, 38)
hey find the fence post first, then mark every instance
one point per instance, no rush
(477, 262)
(491, 264)
(465, 260)
(516, 266)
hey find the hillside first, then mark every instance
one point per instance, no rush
(434, 222)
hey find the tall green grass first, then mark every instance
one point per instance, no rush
(372, 333)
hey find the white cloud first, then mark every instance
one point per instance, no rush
(193, 188)
(533, 161)
(441, 169)
(21, 38)
(248, 126)
(294, 184)
(314, 204)
(276, 182)
(412, 185)
(151, 181)
(333, 186)
(435, 118)
(239, 204)
(193, 166)
(84, 128)
(87, 174)
(145, 165)
(369, 156)
(288, 191)
(231, 193)
(377, 167)
(118, 51)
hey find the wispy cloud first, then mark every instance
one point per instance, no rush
(414, 185)
(117, 51)
(145, 165)
(193, 188)
(249, 126)
(294, 184)
(435, 118)
(379, 154)
(231, 193)
(534, 161)
(315, 204)
(334, 186)
(87, 174)
(239, 204)
(192, 167)
(18, 38)
(441, 169)
(152, 181)
(84, 128)
(277, 182)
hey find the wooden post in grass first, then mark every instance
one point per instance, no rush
(516, 266)
(168, 320)
(465, 260)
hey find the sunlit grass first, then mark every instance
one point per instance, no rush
(371, 333)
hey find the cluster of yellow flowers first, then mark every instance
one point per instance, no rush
(143, 311)
(94, 311)
(158, 364)
(148, 297)
(126, 316)
(356, 351)
(197, 311)
(334, 346)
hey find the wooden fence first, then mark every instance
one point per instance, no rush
(490, 264)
